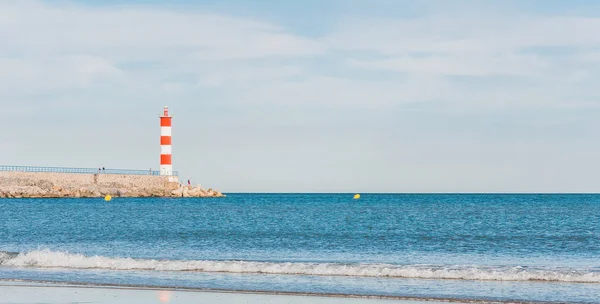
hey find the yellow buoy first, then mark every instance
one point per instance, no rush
(108, 198)
(357, 196)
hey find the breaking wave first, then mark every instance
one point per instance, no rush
(54, 259)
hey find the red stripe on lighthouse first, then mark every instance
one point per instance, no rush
(165, 159)
(165, 140)
(165, 121)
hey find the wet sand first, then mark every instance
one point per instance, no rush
(27, 293)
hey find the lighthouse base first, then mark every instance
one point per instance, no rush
(166, 170)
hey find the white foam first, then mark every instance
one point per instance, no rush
(54, 259)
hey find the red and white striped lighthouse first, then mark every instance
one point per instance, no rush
(166, 167)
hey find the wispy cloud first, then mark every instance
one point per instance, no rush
(48, 47)
(278, 93)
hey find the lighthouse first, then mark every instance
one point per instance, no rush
(166, 167)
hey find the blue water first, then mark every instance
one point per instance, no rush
(486, 247)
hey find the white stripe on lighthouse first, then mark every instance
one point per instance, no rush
(165, 149)
(165, 131)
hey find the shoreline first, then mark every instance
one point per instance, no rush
(200, 292)
(71, 294)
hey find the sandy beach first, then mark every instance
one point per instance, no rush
(25, 293)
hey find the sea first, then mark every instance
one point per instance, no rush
(517, 248)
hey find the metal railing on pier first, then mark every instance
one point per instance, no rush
(80, 170)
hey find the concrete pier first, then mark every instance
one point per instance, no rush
(52, 184)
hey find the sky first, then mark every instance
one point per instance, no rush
(309, 96)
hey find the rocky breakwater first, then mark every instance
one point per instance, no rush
(54, 185)
(198, 191)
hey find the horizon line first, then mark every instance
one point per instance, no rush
(429, 193)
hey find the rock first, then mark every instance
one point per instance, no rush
(157, 193)
(82, 192)
(64, 192)
(195, 192)
(46, 185)
(177, 192)
(122, 192)
(111, 192)
(37, 191)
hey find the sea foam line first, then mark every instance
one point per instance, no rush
(57, 259)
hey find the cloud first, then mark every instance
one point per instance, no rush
(155, 51)
(371, 98)
(49, 48)
(461, 64)
(510, 59)
(139, 32)
(465, 33)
